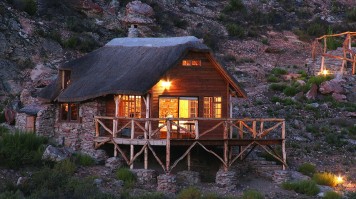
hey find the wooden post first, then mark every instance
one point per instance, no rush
(196, 124)
(241, 137)
(189, 161)
(354, 66)
(97, 132)
(132, 149)
(230, 104)
(261, 128)
(226, 147)
(147, 102)
(254, 129)
(284, 144)
(168, 146)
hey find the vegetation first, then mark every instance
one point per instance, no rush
(325, 178)
(252, 194)
(234, 5)
(235, 30)
(351, 14)
(332, 195)
(21, 149)
(307, 187)
(83, 159)
(189, 193)
(307, 169)
(278, 86)
(278, 71)
(127, 176)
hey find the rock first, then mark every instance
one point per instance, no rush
(324, 189)
(3, 43)
(146, 178)
(301, 82)
(118, 183)
(332, 86)
(21, 181)
(314, 105)
(138, 13)
(98, 181)
(41, 75)
(56, 154)
(339, 97)
(113, 7)
(98, 155)
(291, 76)
(298, 96)
(312, 93)
(226, 179)
(280, 176)
(297, 176)
(114, 163)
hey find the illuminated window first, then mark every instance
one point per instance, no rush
(130, 106)
(191, 62)
(69, 112)
(65, 78)
(212, 107)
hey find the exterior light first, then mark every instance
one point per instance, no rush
(339, 179)
(165, 84)
(325, 72)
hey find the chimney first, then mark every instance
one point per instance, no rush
(133, 31)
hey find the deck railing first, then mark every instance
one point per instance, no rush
(148, 129)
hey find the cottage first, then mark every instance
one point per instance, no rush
(151, 91)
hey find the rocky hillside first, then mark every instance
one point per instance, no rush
(266, 44)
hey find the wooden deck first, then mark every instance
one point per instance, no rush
(242, 133)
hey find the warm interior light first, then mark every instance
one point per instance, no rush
(339, 180)
(166, 84)
(325, 72)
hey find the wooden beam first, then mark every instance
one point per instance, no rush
(147, 132)
(226, 147)
(132, 149)
(284, 155)
(338, 57)
(168, 147)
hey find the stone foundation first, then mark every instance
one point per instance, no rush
(280, 176)
(226, 179)
(167, 183)
(146, 177)
(188, 178)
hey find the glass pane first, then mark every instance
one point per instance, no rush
(64, 111)
(74, 111)
(168, 107)
(188, 107)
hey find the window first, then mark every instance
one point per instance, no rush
(191, 62)
(212, 107)
(130, 106)
(69, 112)
(65, 78)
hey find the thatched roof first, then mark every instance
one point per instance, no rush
(122, 66)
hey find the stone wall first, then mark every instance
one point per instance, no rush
(45, 121)
(79, 135)
(20, 121)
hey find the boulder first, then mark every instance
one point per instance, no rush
(114, 163)
(188, 178)
(297, 176)
(312, 93)
(332, 86)
(98, 155)
(56, 154)
(339, 97)
(138, 13)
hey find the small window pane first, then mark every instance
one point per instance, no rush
(74, 112)
(196, 62)
(64, 111)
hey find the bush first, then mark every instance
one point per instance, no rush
(83, 160)
(277, 86)
(272, 78)
(332, 195)
(66, 167)
(72, 42)
(316, 29)
(11, 195)
(234, 5)
(153, 195)
(278, 71)
(252, 194)
(235, 30)
(127, 176)
(290, 91)
(30, 7)
(3, 130)
(308, 187)
(307, 169)
(319, 79)
(325, 178)
(351, 14)
(21, 149)
(335, 139)
(189, 193)
(351, 195)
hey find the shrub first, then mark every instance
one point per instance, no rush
(290, 90)
(21, 149)
(272, 78)
(3, 130)
(189, 193)
(335, 139)
(351, 195)
(234, 5)
(11, 195)
(325, 178)
(332, 195)
(252, 194)
(351, 14)
(153, 195)
(278, 71)
(127, 176)
(265, 41)
(316, 29)
(307, 169)
(72, 42)
(66, 167)
(308, 187)
(319, 79)
(30, 7)
(235, 30)
(277, 86)
(83, 159)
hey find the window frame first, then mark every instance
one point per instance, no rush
(65, 80)
(132, 104)
(191, 62)
(212, 108)
(69, 113)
